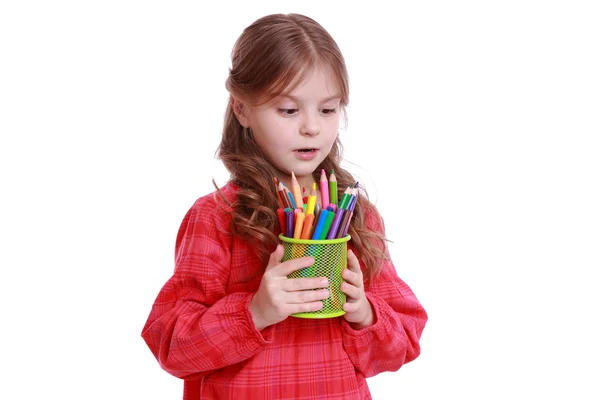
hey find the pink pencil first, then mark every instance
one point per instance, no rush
(324, 190)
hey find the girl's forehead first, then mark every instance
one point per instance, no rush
(313, 83)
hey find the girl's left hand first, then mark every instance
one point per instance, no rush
(358, 309)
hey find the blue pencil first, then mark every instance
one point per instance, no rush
(320, 224)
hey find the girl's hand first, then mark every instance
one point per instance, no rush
(358, 309)
(278, 297)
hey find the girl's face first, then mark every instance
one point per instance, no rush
(296, 132)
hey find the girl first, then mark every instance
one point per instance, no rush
(221, 322)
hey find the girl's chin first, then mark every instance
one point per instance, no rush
(300, 169)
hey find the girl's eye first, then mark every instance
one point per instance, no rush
(288, 111)
(328, 111)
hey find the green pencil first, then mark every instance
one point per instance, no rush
(333, 193)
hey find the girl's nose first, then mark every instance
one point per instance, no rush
(310, 126)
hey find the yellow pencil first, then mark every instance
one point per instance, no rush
(312, 200)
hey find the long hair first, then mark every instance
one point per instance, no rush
(268, 60)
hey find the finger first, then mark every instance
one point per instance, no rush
(305, 296)
(289, 266)
(293, 285)
(351, 307)
(275, 257)
(351, 290)
(353, 264)
(353, 278)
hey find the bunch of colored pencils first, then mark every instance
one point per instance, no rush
(301, 217)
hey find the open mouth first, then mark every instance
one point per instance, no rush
(305, 150)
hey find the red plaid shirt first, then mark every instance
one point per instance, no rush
(200, 328)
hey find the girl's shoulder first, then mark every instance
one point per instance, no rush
(215, 206)
(223, 197)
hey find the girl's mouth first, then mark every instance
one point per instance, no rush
(306, 154)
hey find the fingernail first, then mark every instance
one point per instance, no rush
(324, 282)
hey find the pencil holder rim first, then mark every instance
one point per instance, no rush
(309, 241)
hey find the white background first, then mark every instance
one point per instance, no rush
(474, 126)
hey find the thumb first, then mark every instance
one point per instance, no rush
(276, 256)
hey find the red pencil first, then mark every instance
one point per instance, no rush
(281, 202)
(284, 196)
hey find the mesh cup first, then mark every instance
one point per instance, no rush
(330, 261)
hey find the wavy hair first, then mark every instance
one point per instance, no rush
(268, 60)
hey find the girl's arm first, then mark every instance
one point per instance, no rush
(194, 327)
(398, 321)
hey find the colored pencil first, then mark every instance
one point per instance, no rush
(276, 182)
(281, 217)
(335, 225)
(333, 194)
(346, 197)
(283, 195)
(289, 222)
(327, 224)
(312, 200)
(345, 224)
(299, 224)
(320, 225)
(324, 189)
(307, 226)
(291, 198)
(296, 192)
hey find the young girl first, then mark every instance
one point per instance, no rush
(222, 321)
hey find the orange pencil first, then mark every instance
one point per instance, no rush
(299, 224)
(296, 192)
(307, 228)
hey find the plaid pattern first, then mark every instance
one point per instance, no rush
(200, 328)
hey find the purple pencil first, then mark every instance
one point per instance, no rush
(289, 222)
(333, 230)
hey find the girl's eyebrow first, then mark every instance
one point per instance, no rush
(326, 99)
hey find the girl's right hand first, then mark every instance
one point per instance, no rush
(278, 297)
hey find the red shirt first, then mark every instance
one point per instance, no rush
(200, 328)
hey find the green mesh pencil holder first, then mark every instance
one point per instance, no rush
(330, 261)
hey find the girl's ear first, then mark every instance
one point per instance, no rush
(240, 111)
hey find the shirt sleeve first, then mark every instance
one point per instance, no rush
(399, 320)
(194, 326)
